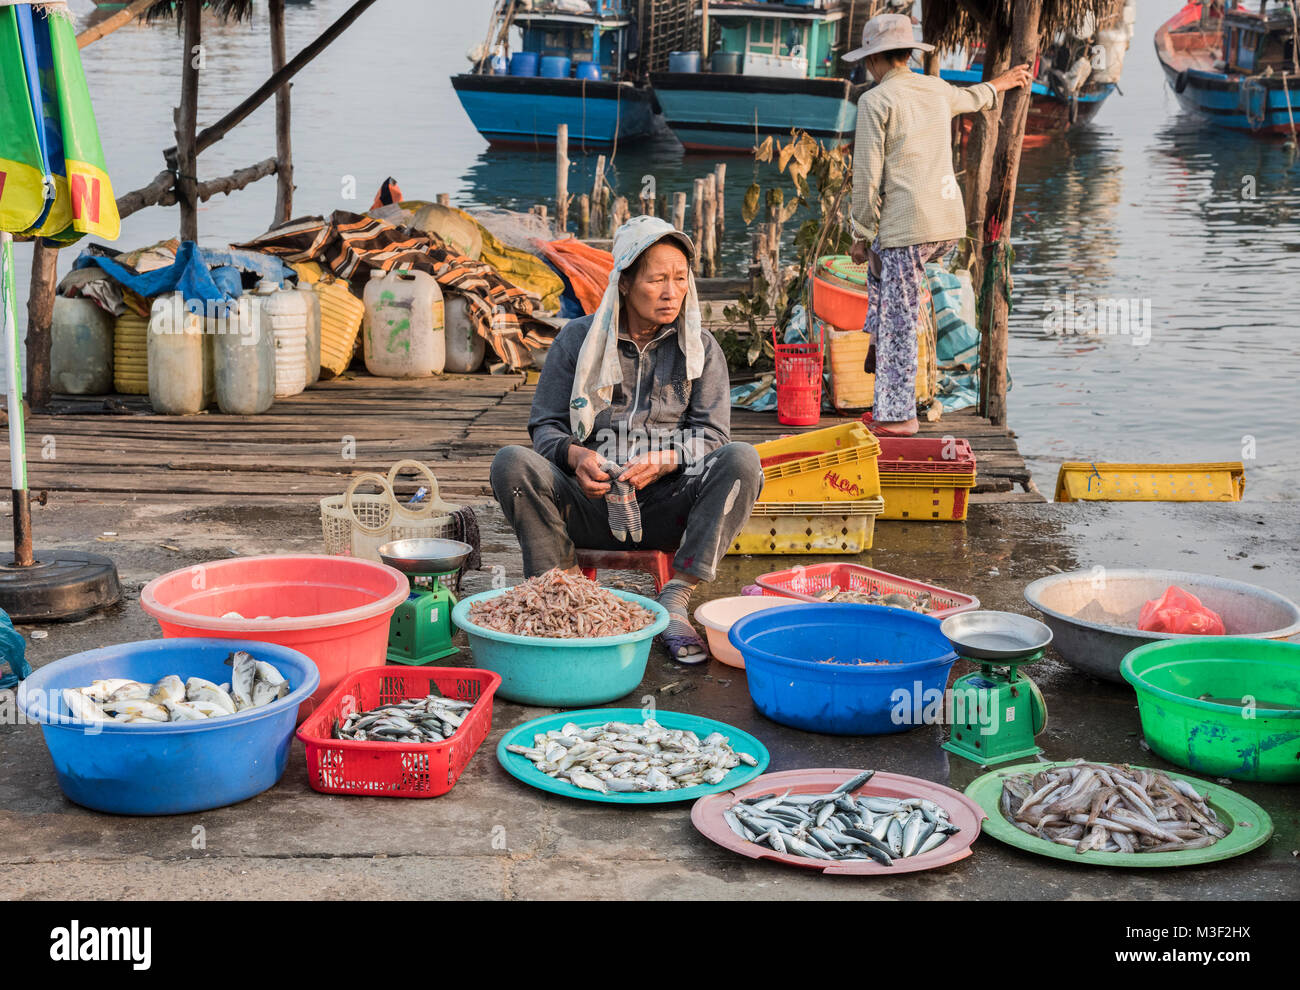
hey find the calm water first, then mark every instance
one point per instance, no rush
(1142, 206)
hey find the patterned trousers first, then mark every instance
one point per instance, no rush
(891, 320)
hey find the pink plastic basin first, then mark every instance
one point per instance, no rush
(334, 609)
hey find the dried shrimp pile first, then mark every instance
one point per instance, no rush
(560, 605)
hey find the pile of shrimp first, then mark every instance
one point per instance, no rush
(560, 605)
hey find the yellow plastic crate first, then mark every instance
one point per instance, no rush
(1089, 482)
(840, 466)
(928, 503)
(809, 527)
(131, 354)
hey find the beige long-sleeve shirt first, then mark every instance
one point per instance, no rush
(904, 188)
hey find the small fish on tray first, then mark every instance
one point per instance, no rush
(920, 602)
(839, 826)
(431, 719)
(1111, 809)
(621, 758)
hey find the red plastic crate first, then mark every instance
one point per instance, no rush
(925, 455)
(803, 583)
(396, 769)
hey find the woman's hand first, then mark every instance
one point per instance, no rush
(649, 468)
(1013, 78)
(858, 252)
(586, 467)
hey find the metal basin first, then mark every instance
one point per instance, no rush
(425, 556)
(995, 635)
(1093, 613)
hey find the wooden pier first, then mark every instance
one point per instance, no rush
(311, 445)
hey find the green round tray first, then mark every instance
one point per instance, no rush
(521, 768)
(1251, 826)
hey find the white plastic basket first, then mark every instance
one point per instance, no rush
(357, 525)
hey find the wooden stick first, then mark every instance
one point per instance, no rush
(600, 213)
(710, 224)
(187, 152)
(150, 195)
(40, 314)
(697, 220)
(980, 148)
(283, 130)
(619, 215)
(720, 177)
(584, 215)
(444, 199)
(214, 133)
(757, 245)
(155, 194)
(110, 24)
(561, 179)
(679, 211)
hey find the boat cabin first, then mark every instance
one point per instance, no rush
(1255, 41)
(776, 39)
(594, 38)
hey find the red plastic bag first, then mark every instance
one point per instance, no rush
(1179, 611)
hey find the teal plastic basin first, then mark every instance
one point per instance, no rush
(1237, 731)
(562, 673)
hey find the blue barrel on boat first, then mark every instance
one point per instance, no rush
(523, 64)
(555, 67)
(587, 70)
(725, 63)
(683, 61)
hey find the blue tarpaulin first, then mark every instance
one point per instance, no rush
(187, 275)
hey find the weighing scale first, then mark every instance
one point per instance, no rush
(1008, 710)
(420, 631)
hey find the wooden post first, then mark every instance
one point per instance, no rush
(679, 211)
(931, 62)
(561, 179)
(647, 205)
(110, 24)
(995, 306)
(187, 154)
(283, 144)
(599, 208)
(710, 224)
(661, 206)
(40, 313)
(757, 247)
(444, 199)
(584, 216)
(981, 146)
(697, 221)
(720, 178)
(704, 30)
(618, 215)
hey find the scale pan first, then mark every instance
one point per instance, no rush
(425, 556)
(987, 635)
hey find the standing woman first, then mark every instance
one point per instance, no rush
(907, 205)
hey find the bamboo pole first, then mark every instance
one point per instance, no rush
(110, 24)
(40, 314)
(996, 307)
(561, 179)
(710, 224)
(720, 177)
(283, 130)
(697, 221)
(679, 211)
(187, 152)
(599, 207)
(584, 216)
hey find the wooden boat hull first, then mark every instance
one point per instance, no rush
(1049, 113)
(1251, 104)
(722, 113)
(524, 111)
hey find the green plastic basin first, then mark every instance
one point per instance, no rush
(1236, 732)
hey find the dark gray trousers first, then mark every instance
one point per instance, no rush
(696, 512)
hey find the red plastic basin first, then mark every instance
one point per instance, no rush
(334, 609)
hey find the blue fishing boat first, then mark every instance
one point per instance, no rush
(572, 65)
(1234, 67)
(763, 68)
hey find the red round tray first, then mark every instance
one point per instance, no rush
(706, 816)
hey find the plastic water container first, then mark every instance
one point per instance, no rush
(284, 319)
(725, 63)
(465, 348)
(243, 359)
(555, 66)
(131, 354)
(683, 61)
(587, 70)
(313, 332)
(523, 64)
(179, 357)
(81, 347)
(404, 328)
(166, 768)
(334, 609)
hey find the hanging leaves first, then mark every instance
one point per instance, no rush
(775, 200)
(763, 153)
(784, 159)
(749, 209)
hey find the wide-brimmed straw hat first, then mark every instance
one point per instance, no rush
(886, 33)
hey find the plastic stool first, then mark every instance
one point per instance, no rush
(657, 563)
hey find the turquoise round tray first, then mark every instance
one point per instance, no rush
(1251, 826)
(522, 768)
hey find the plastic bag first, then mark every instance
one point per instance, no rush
(1179, 611)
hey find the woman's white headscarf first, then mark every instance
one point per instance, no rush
(598, 369)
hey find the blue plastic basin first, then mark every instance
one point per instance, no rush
(562, 673)
(523, 64)
(172, 767)
(785, 650)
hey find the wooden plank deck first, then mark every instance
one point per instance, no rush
(310, 445)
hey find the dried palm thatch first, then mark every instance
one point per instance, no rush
(951, 24)
(224, 10)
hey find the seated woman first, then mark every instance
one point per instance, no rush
(631, 428)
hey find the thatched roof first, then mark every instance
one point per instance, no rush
(953, 23)
(223, 10)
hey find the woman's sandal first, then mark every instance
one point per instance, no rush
(879, 431)
(697, 649)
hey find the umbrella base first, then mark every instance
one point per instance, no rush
(62, 584)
